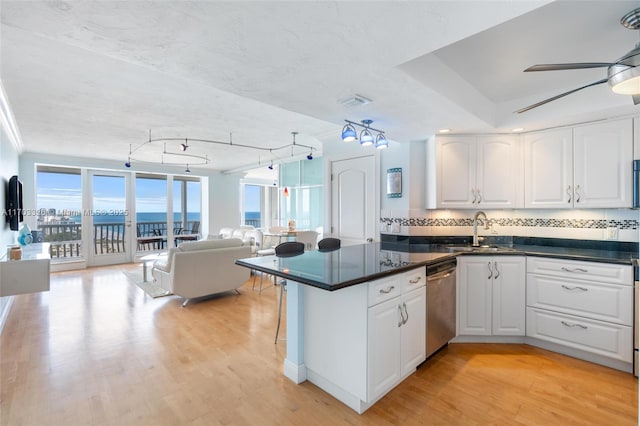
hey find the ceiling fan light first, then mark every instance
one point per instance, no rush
(366, 138)
(629, 85)
(349, 133)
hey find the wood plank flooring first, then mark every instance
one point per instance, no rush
(95, 350)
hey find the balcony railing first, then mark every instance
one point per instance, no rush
(66, 239)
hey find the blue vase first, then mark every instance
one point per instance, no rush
(24, 235)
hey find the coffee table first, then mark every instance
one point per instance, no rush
(149, 258)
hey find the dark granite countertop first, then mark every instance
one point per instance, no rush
(357, 264)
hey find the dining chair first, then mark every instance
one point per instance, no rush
(308, 238)
(328, 244)
(286, 249)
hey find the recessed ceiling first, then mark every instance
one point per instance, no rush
(91, 78)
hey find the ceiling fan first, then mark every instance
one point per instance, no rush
(623, 75)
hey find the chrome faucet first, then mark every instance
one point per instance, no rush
(475, 227)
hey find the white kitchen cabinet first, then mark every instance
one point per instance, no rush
(478, 171)
(587, 166)
(491, 295)
(363, 340)
(584, 306)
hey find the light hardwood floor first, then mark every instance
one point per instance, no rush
(96, 350)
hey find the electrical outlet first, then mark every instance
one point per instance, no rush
(612, 233)
(384, 227)
(395, 227)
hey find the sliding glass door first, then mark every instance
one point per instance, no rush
(109, 219)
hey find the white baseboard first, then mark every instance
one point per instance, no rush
(294, 372)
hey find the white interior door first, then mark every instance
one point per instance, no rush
(109, 224)
(353, 200)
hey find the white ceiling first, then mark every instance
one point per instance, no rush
(91, 78)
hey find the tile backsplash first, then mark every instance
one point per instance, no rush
(596, 224)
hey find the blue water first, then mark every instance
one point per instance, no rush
(141, 217)
(252, 215)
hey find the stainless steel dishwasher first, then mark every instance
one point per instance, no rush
(441, 305)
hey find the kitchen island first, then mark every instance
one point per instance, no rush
(355, 317)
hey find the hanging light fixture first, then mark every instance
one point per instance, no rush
(285, 192)
(381, 141)
(184, 146)
(349, 133)
(366, 135)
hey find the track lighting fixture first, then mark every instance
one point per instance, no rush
(366, 137)
(171, 156)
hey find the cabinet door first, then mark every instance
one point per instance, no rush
(509, 295)
(499, 172)
(548, 169)
(383, 347)
(474, 295)
(602, 164)
(456, 172)
(413, 332)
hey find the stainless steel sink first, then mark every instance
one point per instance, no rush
(470, 248)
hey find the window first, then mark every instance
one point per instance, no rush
(252, 206)
(59, 211)
(186, 207)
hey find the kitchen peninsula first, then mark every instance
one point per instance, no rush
(356, 315)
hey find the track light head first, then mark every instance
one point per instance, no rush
(310, 156)
(187, 170)
(270, 167)
(349, 133)
(128, 164)
(366, 138)
(183, 147)
(381, 141)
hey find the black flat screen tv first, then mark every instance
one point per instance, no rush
(14, 203)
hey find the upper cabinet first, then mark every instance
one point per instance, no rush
(588, 166)
(478, 172)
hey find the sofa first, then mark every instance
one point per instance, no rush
(202, 268)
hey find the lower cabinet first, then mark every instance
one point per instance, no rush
(362, 341)
(584, 306)
(396, 340)
(491, 295)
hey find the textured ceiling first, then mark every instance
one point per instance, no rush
(91, 78)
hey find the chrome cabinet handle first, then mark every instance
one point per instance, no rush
(566, 287)
(401, 316)
(577, 193)
(574, 269)
(415, 281)
(406, 312)
(473, 192)
(566, 324)
(495, 265)
(479, 196)
(387, 290)
(569, 193)
(490, 271)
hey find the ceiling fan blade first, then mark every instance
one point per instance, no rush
(636, 99)
(520, 111)
(572, 66)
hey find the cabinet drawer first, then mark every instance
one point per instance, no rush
(601, 301)
(592, 271)
(384, 289)
(601, 338)
(413, 279)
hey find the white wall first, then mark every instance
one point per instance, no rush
(8, 168)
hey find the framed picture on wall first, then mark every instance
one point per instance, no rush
(394, 183)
